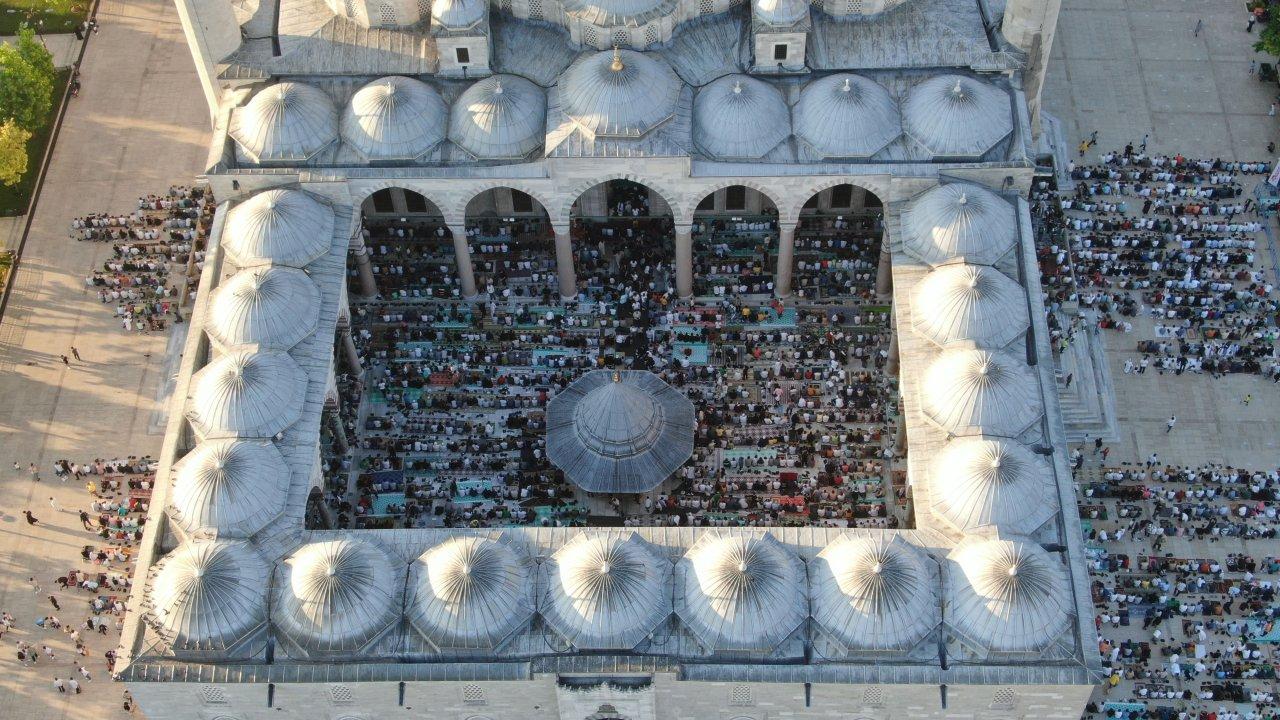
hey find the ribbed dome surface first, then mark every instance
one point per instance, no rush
(621, 93)
(742, 592)
(208, 596)
(456, 14)
(970, 392)
(233, 488)
(846, 115)
(781, 12)
(606, 591)
(287, 121)
(969, 302)
(740, 117)
(958, 220)
(873, 592)
(247, 394)
(502, 117)
(1007, 595)
(618, 420)
(605, 13)
(957, 116)
(470, 593)
(337, 596)
(979, 481)
(394, 118)
(284, 227)
(271, 307)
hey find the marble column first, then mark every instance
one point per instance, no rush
(462, 256)
(786, 259)
(349, 347)
(339, 432)
(368, 285)
(566, 278)
(684, 260)
(900, 441)
(884, 270)
(891, 366)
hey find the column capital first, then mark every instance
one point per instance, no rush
(684, 227)
(788, 225)
(560, 228)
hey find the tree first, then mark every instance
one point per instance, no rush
(1269, 39)
(13, 153)
(26, 81)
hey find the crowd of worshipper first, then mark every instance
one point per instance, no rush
(1186, 611)
(446, 423)
(157, 255)
(1166, 249)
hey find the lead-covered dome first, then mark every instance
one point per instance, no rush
(846, 115)
(470, 593)
(969, 302)
(741, 592)
(207, 599)
(977, 482)
(972, 392)
(457, 14)
(1007, 595)
(394, 118)
(956, 116)
(271, 307)
(247, 394)
(624, 93)
(337, 597)
(231, 488)
(282, 227)
(740, 117)
(873, 592)
(958, 220)
(286, 122)
(606, 591)
(608, 13)
(502, 117)
(781, 12)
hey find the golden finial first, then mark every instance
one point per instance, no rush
(617, 59)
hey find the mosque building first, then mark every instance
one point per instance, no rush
(334, 116)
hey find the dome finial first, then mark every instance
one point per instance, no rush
(958, 90)
(617, 376)
(847, 86)
(963, 199)
(737, 87)
(497, 87)
(617, 65)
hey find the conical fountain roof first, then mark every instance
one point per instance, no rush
(502, 117)
(287, 121)
(470, 592)
(337, 596)
(207, 597)
(247, 394)
(971, 392)
(740, 117)
(846, 116)
(283, 227)
(1007, 595)
(231, 488)
(955, 116)
(958, 220)
(969, 302)
(271, 307)
(394, 118)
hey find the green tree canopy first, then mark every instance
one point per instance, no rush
(13, 153)
(1269, 39)
(26, 81)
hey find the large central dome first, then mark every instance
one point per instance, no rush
(623, 93)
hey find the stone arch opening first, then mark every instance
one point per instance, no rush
(735, 243)
(837, 245)
(410, 246)
(512, 245)
(623, 238)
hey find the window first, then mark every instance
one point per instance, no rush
(535, 9)
(780, 51)
(213, 695)
(708, 202)
(853, 7)
(590, 36)
(842, 196)
(1003, 699)
(741, 696)
(873, 697)
(735, 198)
(472, 694)
(651, 34)
(424, 9)
(414, 202)
(464, 55)
(341, 695)
(521, 202)
(387, 15)
(706, 7)
(621, 38)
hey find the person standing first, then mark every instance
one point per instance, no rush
(53, 600)
(75, 354)
(73, 686)
(1199, 27)
(65, 361)
(53, 503)
(84, 520)
(31, 519)
(1173, 419)
(58, 684)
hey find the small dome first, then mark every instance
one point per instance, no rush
(287, 121)
(957, 116)
(873, 592)
(740, 117)
(969, 392)
(502, 117)
(618, 419)
(337, 596)
(207, 597)
(456, 14)
(969, 302)
(781, 12)
(268, 306)
(247, 394)
(470, 593)
(607, 13)
(958, 220)
(284, 227)
(621, 93)
(394, 118)
(742, 592)
(606, 591)
(232, 488)
(846, 115)
(1007, 595)
(977, 482)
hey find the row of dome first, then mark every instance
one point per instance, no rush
(608, 591)
(627, 94)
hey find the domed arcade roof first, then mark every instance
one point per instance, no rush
(956, 116)
(978, 481)
(846, 115)
(781, 12)
(958, 220)
(336, 596)
(247, 394)
(470, 592)
(502, 117)
(286, 122)
(271, 307)
(969, 302)
(971, 392)
(608, 13)
(232, 488)
(740, 117)
(284, 227)
(619, 431)
(741, 592)
(873, 592)
(394, 118)
(1007, 595)
(623, 93)
(207, 597)
(606, 591)
(456, 14)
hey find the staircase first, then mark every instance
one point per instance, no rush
(1089, 405)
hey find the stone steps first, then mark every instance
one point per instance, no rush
(1088, 405)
